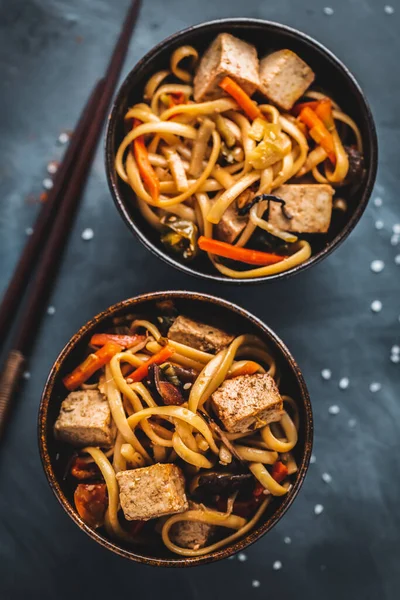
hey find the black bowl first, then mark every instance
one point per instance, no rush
(332, 76)
(55, 455)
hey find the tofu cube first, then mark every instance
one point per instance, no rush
(152, 492)
(226, 56)
(198, 335)
(191, 534)
(231, 225)
(85, 420)
(247, 402)
(309, 205)
(284, 77)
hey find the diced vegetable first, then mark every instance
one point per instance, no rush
(296, 110)
(90, 365)
(126, 341)
(258, 129)
(271, 149)
(180, 236)
(91, 503)
(245, 102)
(146, 171)
(279, 471)
(160, 357)
(82, 470)
(319, 132)
(251, 257)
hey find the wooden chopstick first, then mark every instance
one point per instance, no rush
(50, 258)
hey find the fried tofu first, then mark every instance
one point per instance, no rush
(226, 56)
(231, 225)
(309, 205)
(191, 534)
(152, 492)
(247, 402)
(198, 335)
(85, 420)
(284, 77)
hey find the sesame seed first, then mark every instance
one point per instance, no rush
(344, 383)
(395, 358)
(287, 540)
(318, 509)
(87, 234)
(129, 380)
(313, 459)
(242, 557)
(47, 183)
(397, 259)
(52, 167)
(26, 375)
(377, 266)
(255, 583)
(378, 201)
(29, 230)
(395, 239)
(277, 565)
(379, 224)
(328, 11)
(63, 138)
(58, 456)
(375, 386)
(326, 477)
(160, 319)
(389, 10)
(334, 409)
(352, 423)
(51, 310)
(187, 386)
(395, 349)
(376, 306)
(326, 374)
(396, 228)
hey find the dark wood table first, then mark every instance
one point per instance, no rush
(51, 52)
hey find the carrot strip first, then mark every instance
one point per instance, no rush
(90, 365)
(146, 171)
(252, 257)
(296, 110)
(245, 102)
(126, 341)
(158, 358)
(279, 471)
(319, 132)
(248, 369)
(324, 112)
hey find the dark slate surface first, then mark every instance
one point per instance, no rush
(51, 51)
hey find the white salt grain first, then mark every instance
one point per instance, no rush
(379, 224)
(313, 459)
(395, 239)
(326, 374)
(63, 138)
(375, 386)
(26, 375)
(389, 10)
(334, 409)
(52, 167)
(378, 201)
(395, 358)
(395, 349)
(318, 509)
(326, 477)
(51, 310)
(47, 183)
(255, 583)
(377, 266)
(242, 557)
(277, 565)
(344, 383)
(29, 230)
(328, 11)
(87, 234)
(376, 306)
(396, 228)
(287, 540)
(397, 259)
(187, 386)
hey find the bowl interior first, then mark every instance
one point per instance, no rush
(55, 455)
(331, 77)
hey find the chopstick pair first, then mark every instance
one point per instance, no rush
(44, 248)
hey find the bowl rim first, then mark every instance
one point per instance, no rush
(257, 532)
(371, 136)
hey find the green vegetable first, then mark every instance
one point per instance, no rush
(180, 236)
